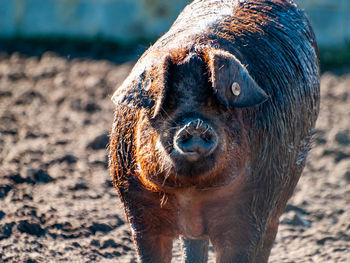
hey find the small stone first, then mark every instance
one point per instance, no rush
(324, 240)
(68, 158)
(2, 214)
(296, 209)
(110, 243)
(347, 176)
(95, 243)
(16, 76)
(295, 219)
(100, 227)
(337, 154)
(6, 230)
(92, 107)
(39, 176)
(31, 135)
(341, 156)
(107, 255)
(319, 137)
(28, 97)
(298, 220)
(75, 244)
(33, 229)
(108, 183)
(79, 186)
(100, 142)
(342, 138)
(4, 189)
(117, 254)
(18, 179)
(5, 94)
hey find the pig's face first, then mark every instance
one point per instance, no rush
(190, 130)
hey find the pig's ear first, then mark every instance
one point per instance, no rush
(144, 90)
(232, 83)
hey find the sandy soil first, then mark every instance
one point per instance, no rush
(57, 203)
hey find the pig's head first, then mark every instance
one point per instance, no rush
(191, 129)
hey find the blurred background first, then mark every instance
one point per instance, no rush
(135, 22)
(60, 62)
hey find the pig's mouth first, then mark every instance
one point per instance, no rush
(191, 164)
(195, 155)
(177, 170)
(205, 173)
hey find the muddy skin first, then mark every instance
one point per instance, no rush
(212, 129)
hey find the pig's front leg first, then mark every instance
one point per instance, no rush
(152, 225)
(153, 247)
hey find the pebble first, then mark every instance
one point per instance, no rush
(109, 243)
(95, 243)
(2, 214)
(33, 229)
(4, 189)
(68, 158)
(297, 209)
(100, 142)
(6, 230)
(33, 176)
(342, 138)
(39, 176)
(18, 179)
(347, 176)
(296, 219)
(104, 228)
(28, 97)
(92, 107)
(79, 186)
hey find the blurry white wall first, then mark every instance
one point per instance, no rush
(128, 21)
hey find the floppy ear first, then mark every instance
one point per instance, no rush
(144, 88)
(231, 81)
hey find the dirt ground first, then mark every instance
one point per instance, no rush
(57, 203)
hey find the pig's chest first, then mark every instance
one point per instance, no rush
(191, 220)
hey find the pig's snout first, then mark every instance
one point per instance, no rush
(195, 139)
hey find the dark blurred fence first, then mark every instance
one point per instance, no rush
(127, 21)
(123, 21)
(132, 21)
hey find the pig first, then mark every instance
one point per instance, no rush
(212, 129)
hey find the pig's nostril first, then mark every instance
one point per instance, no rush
(185, 137)
(206, 137)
